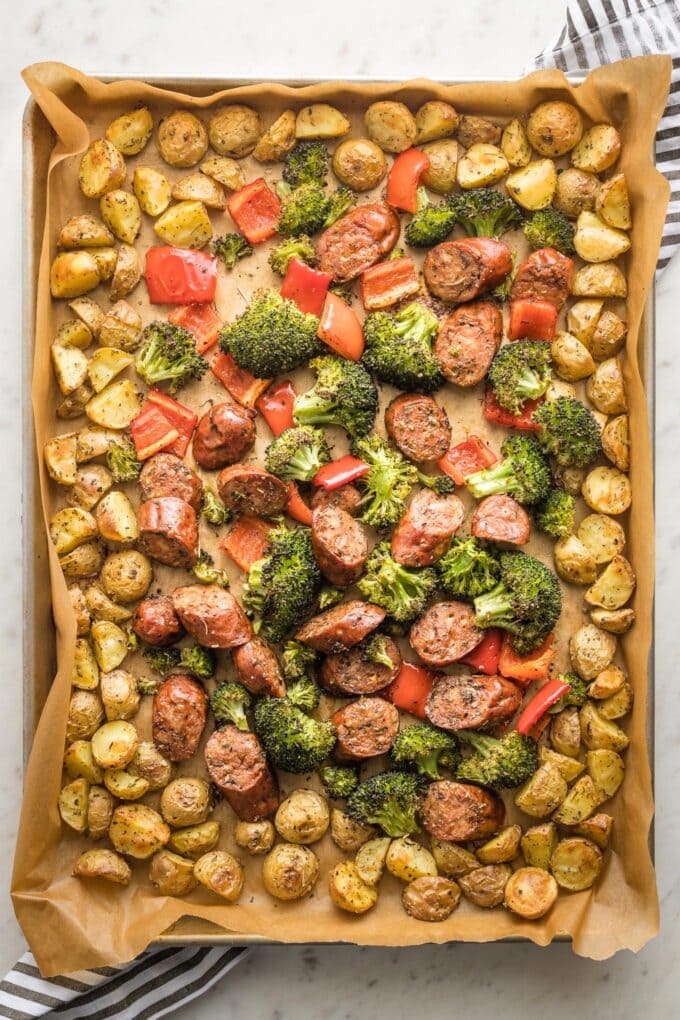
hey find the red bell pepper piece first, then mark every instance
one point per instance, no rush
(484, 658)
(540, 703)
(340, 472)
(179, 276)
(410, 688)
(180, 417)
(200, 319)
(466, 458)
(403, 179)
(243, 387)
(296, 506)
(340, 329)
(305, 286)
(246, 541)
(151, 432)
(389, 282)
(255, 210)
(276, 406)
(532, 320)
(499, 416)
(526, 668)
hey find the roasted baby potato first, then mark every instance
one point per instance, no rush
(102, 169)
(617, 705)
(119, 695)
(126, 576)
(60, 458)
(606, 769)
(85, 674)
(609, 336)
(90, 315)
(591, 650)
(80, 610)
(440, 175)
(83, 561)
(149, 763)
(612, 204)
(530, 892)
(607, 490)
(435, 120)
(348, 891)
(123, 785)
(102, 863)
(74, 333)
(197, 187)
(225, 171)
(127, 273)
(93, 441)
(573, 561)
(605, 388)
(582, 319)
(617, 622)
(390, 124)
(575, 192)
(554, 128)
(472, 130)
(558, 388)
(602, 536)
(71, 527)
(234, 130)
(116, 519)
(347, 833)
(100, 806)
(538, 843)
(115, 406)
(138, 831)
(485, 887)
(110, 644)
(576, 863)
(302, 817)
(570, 768)
(431, 898)
(84, 231)
(74, 273)
(171, 874)
(599, 733)
(598, 149)
(105, 364)
(221, 873)
(614, 587)
(182, 139)
(85, 715)
(482, 165)
(501, 848)
(533, 187)
(276, 142)
(152, 189)
(122, 214)
(290, 871)
(370, 859)
(106, 262)
(408, 860)
(515, 144)
(565, 734)
(186, 801)
(131, 131)
(359, 163)
(255, 837)
(101, 607)
(571, 358)
(596, 242)
(121, 327)
(606, 683)
(603, 280)
(186, 225)
(73, 405)
(114, 744)
(597, 828)
(543, 793)
(73, 804)
(196, 840)
(322, 121)
(579, 804)
(452, 859)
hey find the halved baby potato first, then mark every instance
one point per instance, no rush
(570, 768)
(599, 281)
(582, 319)
(606, 768)
(320, 120)
(598, 149)
(533, 187)
(131, 131)
(617, 705)
(110, 645)
(609, 335)
(90, 314)
(127, 272)
(616, 621)
(234, 130)
(579, 803)
(71, 527)
(121, 327)
(606, 389)
(435, 120)
(483, 164)
(576, 190)
(543, 792)
(60, 458)
(116, 519)
(572, 359)
(408, 860)
(94, 441)
(591, 650)
(101, 607)
(123, 785)
(105, 364)
(348, 890)
(273, 146)
(501, 848)
(600, 734)
(83, 561)
(102, 169)
(515, 144)
(225, 170)
(136, 829)
(221, 873)
(607, 490)
(186, 225)
(114, 744)
(573, 561)
(74, 333)
(440, 176)
(612, 203)
(597, 828)
(122, 214)
(554, 128)
(608, 682)
(596, 242)
(576, 863)
(152, 189)
(70, 367)
(106, 259)
(197, 187)
(101, 863)
(616, 442)
(530, 892)
(74, 273)
(80, 764)
(614, 587)
(602, 536)
(391, 125)
(73, 804)
(370, 859)
(115, 406)
(182, 139)
(538, 843)
(84, 231)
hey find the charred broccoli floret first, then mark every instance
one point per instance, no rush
(555, 515)
(568, 431)
(205, 571)
(340, 201)
(523, 473)
(303, 210)
(306, 163)
(399, 348)
(467, 569)
(282, 586)
(401, 591)
(228, 704)
(500, 764)
(374, 649)
(576, 695)
(432, 223)
(485, 212)
(519, 372)
(213, 509)
(147, 684)
(390, 800)
(387, 485)
(300, 248)
(121, 460)
(442, 485)
(271, 337)
(549, 228)
(339, 781)
(194, 659)
(344, 394)
(168, 354)
(526, 602)
(304, 694)
(426, 749)
(330, 596)
(294, 741)
(298, 660)
(297, 454)
(231, 248)
(162, 660)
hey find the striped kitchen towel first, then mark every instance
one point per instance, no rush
(601, 31)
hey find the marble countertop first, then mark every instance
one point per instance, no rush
(380, 40)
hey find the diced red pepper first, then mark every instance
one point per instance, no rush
(151, 432)
(499, 416)
(484, 658)
(340, 472)
(532, 320)
(526, 668)
(536, 731)
(340, 328)
(540, 703)
(246, 541)
(305, 286)
(201, 320)
(389, 282)
(180, 417)
(403, 179)
(179, 276)
(466, 458)
(276, 406)
(409, 690)
(242, 386)
(255, 209)
(296, 506)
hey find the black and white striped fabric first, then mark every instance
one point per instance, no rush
(602, 31)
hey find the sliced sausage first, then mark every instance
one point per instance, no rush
(365, 728)
(350, 672)
(425, 531)
(257, 668)
(156, 622)
(339, 545)
(346, 497)
(501, 519)
(458, 811)
(168, 475)
(471, 702)
(224, 435)
(445, 633)
(238, 767)
(357, 241)
(418, 426)
(467, 341)
(462, 270)
(250, 490)
(341, 627)
(212, 616)
(546, 275)
(168, 531)
(178, 717)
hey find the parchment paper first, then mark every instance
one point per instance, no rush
(72, 924)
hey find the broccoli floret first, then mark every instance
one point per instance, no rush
(549, 228)
(168, 354)
(432, 223)
(231, 248)
(501, 764)
(304, 210)
(526, 602)
(523, 473)
(442, 485)
(162, 660)
(374, 649)
(519, 372)
(300, 248)
(282, 586)
(502, 291)
(205, 571)
(568, 431)
(304, 694)
(387, 485)
(214, 510)
(467, 569)
(425, 748)
(132, 640)
(307, 162)
(121, 460)
(228, 704)
(345, 290)
(555, 515)
(339, 781)
(341, 201)
(344, 394)
(147, 684)
(399, 348)
(485, 212)
(297, 454)
(401, 591)
(388, 799)
(330, 596)
(294, 741)
(298, 660)
(576, 695)
(199, 661)
(271, 337)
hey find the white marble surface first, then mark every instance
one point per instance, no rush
(269, 39)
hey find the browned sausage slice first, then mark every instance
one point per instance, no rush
(250, 490)
(346, 497)
(167, 475)
(258, 668)
(365, 728)
(238, 767)
(224, 435)
(418, 426)
(467, 341)
(471, 702)
(357, 241)
(501, 519)
(341, 627)
(425, 531)
(462, 270)
(156, 622)
(212, 616)
(178, 717)
(546, 275)
(339, 544)
(445, 633)
(458, 811)
(168, 531)
(351, 672)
